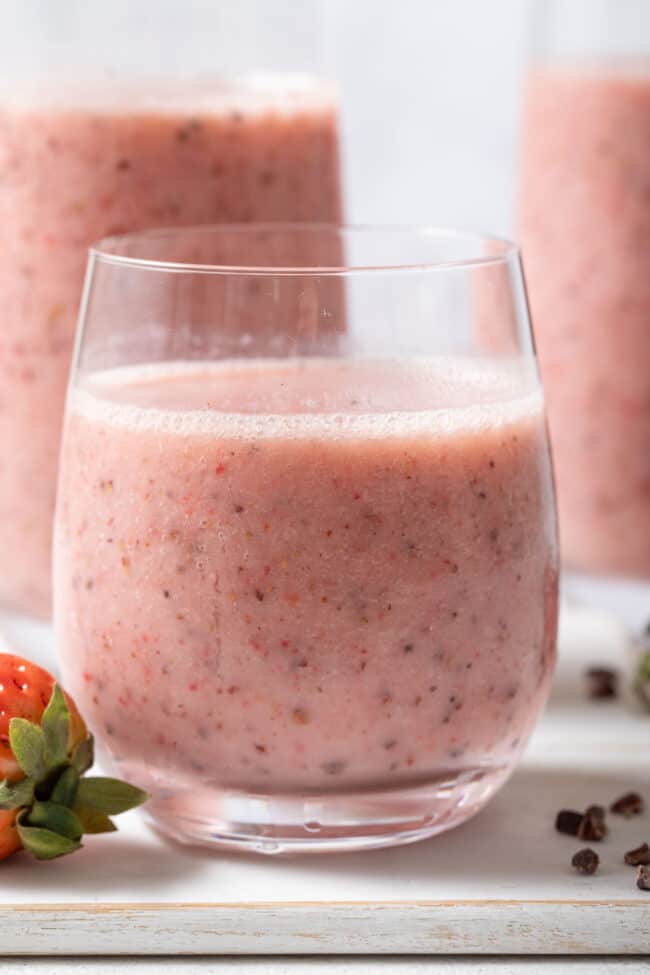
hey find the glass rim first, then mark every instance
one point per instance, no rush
(106, 249)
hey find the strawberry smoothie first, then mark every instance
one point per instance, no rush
(316, 575)
(71, 173)
(585, 230)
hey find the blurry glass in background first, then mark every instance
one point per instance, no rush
(113, 120)
(584, 220)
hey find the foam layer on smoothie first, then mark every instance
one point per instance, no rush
(269, 398)
(254, 95)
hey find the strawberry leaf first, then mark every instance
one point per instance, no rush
(55, 818)
(643, 669)
(13, 795)
(109, 796)
(65, 789)
(27, 742)
(94, 821)
(83, 755)
(43, 843)
(55, 723)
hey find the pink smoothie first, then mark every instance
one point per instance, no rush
(585, 230)
(291, 575)
(70, 175)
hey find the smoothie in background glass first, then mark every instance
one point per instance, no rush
(585, 233)
(308, 600)
(95, 163)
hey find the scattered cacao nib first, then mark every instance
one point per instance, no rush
(585, 861)
(568, 821)
(589, 826)
(593, 827)
(643, 878)
(628, 805)
(602, 682)
(638, 857)
(334, 767)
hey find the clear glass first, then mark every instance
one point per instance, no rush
(584, 218)
(305, 552)
(107, 125)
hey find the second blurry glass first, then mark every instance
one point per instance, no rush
(585, 229)
(97, 138)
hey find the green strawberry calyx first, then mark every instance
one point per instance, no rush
(55, 805)
(641, 681)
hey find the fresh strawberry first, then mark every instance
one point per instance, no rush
(45, 804)
(25, 691)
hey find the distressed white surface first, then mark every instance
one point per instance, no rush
(501, 883)
(301, 965)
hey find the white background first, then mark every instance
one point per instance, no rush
(432, 93)
(431, 87)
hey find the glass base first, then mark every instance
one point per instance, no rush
(325, 823)
(626, 599)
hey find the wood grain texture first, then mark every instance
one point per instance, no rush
(500, 884)
(419, 928)
(327, 964)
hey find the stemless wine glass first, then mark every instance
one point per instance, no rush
(305, 548)
(584, 214)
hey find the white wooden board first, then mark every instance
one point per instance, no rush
(500, 884)
(329, 965)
